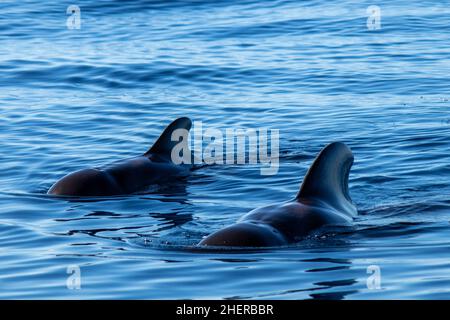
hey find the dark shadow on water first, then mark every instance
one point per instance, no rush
(339, 295)
(171, 220)
(327, 269)
(330, 260)
(171, 191)
(165, 221)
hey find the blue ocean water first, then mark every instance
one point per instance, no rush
(75, 98)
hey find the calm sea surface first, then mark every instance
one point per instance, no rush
(74, 98)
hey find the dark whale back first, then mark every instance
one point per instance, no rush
(323, 200)
(129, 175)
(327, 179)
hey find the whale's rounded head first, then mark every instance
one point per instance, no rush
(86, 182)
(245, 234)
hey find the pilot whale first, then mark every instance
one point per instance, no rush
(131, 175)
(323, 200)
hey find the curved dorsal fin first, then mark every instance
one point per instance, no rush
(164, 145)
(327, 178)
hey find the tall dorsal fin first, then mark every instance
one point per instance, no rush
(164, 145)
(327, 178)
